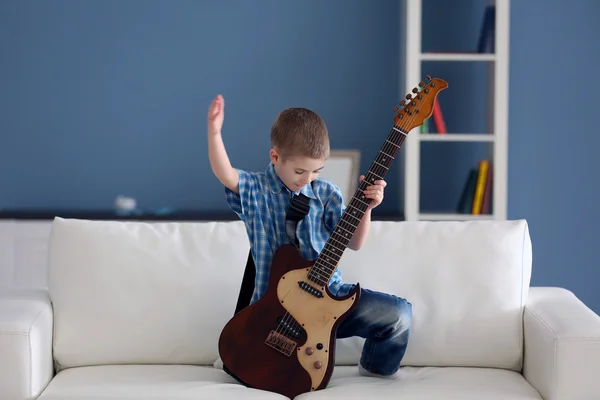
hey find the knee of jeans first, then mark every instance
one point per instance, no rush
(403, 311)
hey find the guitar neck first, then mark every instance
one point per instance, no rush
(327, 261)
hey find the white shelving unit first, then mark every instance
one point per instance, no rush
(497, 135)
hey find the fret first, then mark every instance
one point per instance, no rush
(386, 168)
(386, 154)
(320, 274)
(326, 260)
(341, 237)
(330, 253)
(318, 281)
(360, 201)
(397, 130)
(353, 226)
(333, 250)
(343, 245)
(345, 226)
(384, 159)
(393, 144)
(352, 214)
(374, 174)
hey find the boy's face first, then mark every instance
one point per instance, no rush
(296, 172)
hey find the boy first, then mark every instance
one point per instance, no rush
(300, 147)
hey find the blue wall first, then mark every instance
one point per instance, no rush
(101, 98)
(106, 97)
(553, 166)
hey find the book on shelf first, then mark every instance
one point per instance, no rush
(438, 120)
(425, 127)
(486, 42)
(476, 196)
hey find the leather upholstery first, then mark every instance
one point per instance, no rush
(562, 345)
(137, 308)
(25, 344)
(143, 382)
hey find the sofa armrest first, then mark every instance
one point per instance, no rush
(562, 345)
(26, 364)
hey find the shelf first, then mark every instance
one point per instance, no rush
(458, 57)
(453, 217)
(456, 137)
(475, 106)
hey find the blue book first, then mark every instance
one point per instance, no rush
(486, 42)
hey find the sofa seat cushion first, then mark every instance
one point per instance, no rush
(143, 382)
(431, 383)
(174, 382)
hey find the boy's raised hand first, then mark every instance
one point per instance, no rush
(216, 114)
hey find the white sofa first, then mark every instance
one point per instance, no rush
(134, 311)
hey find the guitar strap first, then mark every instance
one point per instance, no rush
(298, 209)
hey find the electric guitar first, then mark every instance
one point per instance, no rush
(285, 341)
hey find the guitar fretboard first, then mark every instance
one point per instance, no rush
(326, 263)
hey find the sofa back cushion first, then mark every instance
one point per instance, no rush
(137, 292)
(467, 282)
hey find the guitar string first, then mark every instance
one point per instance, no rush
(316, 273)
(390, 149)
(379, 170)
(322, 270)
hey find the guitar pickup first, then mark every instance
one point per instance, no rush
(310, 289)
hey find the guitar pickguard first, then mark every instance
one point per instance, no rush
(316, 313)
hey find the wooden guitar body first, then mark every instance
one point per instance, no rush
(285, 341)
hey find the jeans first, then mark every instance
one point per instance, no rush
(384, 321)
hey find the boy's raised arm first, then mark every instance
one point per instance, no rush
(219, 161)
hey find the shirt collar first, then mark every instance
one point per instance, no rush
(277, 185)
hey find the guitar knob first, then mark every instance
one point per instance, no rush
(318, 364)
(308, 350)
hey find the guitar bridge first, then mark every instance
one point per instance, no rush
(281, 343)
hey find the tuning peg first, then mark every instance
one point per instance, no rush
(428, 78)
(408, 96)
(415, 90)
(396, 109)
(402, 103)
(421, 84)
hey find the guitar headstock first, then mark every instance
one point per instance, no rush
(415, 110)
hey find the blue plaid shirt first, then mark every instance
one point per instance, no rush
(262, 205)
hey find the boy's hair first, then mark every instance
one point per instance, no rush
(300, 132)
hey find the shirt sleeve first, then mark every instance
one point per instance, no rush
(241, 202)
(334, 208)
